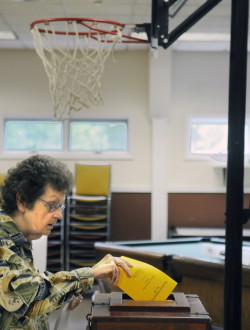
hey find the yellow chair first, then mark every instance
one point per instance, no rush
(92, 179)
(2, 177)
(88, 213)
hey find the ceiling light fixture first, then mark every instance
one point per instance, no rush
(7, 35)
(204, 37)
(96, 1)
(26, 0)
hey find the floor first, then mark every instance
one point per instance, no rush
(77, 319)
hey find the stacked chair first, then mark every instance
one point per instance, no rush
(88, 213)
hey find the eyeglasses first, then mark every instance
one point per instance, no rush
(53, 206)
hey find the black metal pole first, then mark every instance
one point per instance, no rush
(235, 165)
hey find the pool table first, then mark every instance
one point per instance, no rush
(195, 263)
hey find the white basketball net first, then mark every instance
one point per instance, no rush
(74, 65)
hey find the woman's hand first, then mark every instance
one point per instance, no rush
(75, 302)
(108, 266)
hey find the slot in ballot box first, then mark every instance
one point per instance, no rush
(117, 311)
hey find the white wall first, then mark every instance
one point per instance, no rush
(199, 86)
(24, 92)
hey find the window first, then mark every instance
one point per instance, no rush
(76, 137)
(208, 137)
(98, 135)
(32, 135)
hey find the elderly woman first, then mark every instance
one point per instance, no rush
(33, 201)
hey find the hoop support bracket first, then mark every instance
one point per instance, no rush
(160, 21)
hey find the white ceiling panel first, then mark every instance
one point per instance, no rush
(16, 16)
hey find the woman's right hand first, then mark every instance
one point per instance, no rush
(109, 266)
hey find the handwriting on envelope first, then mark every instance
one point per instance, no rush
(146, 282)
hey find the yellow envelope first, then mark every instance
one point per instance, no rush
(146, 282)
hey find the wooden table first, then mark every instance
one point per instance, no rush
(182, 260)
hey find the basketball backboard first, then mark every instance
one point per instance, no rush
(171, 18)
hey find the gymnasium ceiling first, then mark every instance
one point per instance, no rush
(211, 32)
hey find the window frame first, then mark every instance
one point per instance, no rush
(66, 153)
(213, 120)
(99, 121)
(37, 121)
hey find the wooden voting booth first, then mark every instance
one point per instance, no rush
(115, 310)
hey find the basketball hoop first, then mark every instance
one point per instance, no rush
(73, 52)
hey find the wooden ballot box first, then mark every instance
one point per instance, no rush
(116, 311)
